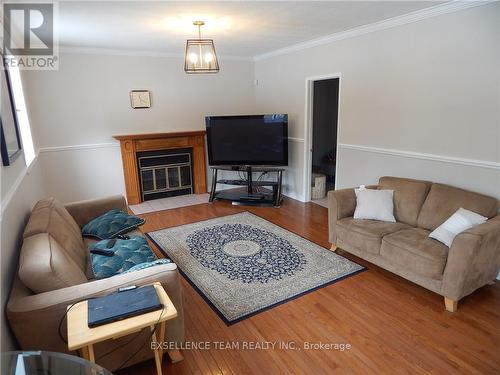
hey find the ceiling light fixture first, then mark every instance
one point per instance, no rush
(200, 54)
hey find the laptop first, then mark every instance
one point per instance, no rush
(122, 305)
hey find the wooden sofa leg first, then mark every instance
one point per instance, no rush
(450, 304)
(334, 247)
(175, 356)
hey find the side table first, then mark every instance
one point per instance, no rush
(81, 337)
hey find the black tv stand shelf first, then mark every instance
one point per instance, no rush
(250, 196)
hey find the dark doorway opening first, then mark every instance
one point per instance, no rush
(325, 111)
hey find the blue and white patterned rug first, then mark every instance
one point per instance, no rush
(243, 264)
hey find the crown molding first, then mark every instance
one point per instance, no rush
(437, 10)
(125, 52)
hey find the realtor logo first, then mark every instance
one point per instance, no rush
(29, 37)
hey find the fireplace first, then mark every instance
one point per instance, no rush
(161, 165)
(165, 173)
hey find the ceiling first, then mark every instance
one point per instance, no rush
(240, 29)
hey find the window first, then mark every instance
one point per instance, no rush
(22, 114)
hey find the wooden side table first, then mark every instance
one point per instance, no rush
(83, 338)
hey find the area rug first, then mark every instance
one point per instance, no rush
(243, 264)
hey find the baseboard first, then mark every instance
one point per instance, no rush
(293, 195)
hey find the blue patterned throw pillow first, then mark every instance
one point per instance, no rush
(127, 254)
(111, 224)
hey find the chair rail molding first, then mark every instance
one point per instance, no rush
(88, 146)
(424, 156)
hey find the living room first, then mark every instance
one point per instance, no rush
(416, 97)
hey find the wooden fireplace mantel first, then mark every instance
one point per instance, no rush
(131, 144)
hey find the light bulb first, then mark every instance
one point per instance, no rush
(209, 57)
(193, 57)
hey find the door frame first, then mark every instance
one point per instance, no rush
(308, 132)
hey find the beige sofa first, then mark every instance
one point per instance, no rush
(54, 272)
(404, 247)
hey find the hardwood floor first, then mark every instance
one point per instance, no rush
(392, 325)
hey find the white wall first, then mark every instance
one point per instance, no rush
(21, 188)
(429, 87)
(80, 107)
(22, 193)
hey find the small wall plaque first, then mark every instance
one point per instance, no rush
(140, 99)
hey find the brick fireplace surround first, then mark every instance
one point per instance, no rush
(131, 144)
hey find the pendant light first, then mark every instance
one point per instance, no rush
(200, 54)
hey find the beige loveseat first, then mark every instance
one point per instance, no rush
(404, 247)
(54, 272)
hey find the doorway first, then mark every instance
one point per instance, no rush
(323, 112)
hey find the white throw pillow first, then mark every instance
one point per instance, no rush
(374, 204)
(458, 222)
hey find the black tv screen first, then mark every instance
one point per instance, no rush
(247, 140)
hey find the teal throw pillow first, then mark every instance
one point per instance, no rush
(111, 224)
(127, 254)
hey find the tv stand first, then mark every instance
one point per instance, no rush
(250, 196)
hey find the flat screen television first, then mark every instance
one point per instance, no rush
(247, 140)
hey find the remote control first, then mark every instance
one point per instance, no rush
(108, 253)
(123, 237)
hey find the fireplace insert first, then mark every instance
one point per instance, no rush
(165, 173)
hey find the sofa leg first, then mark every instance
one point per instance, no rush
(175, 356)
(334, 247)
(450, 304)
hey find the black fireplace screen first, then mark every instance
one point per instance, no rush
(165, 173)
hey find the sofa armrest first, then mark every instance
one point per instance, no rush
(341, 204)
(35, 318)
(473, 260)
(84, 211)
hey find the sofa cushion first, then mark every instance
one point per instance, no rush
(412, 249)
(443, 201)
(50, 216)
(366, 235)
(44, 265)
(409, 196)
(111, 224)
